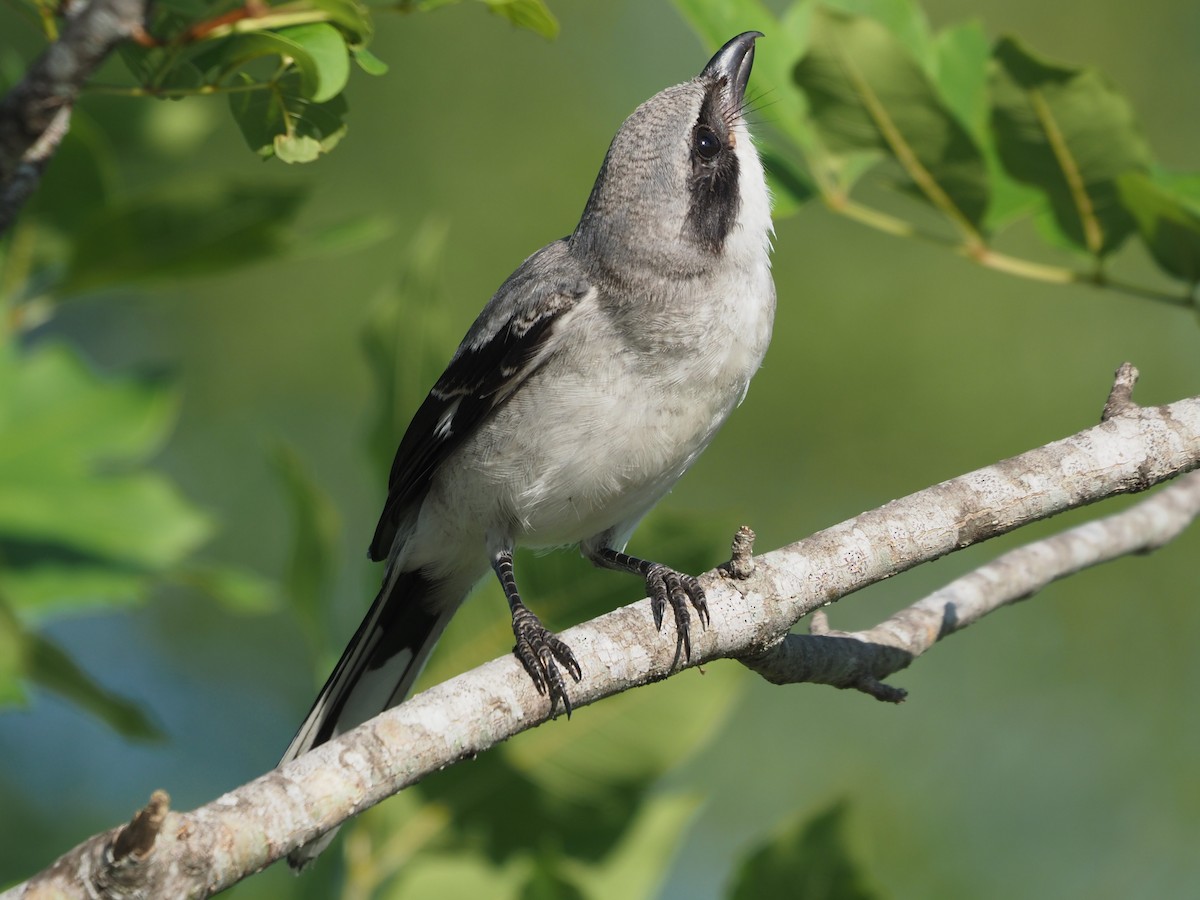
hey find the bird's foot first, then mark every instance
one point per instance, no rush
(666, 586)
(541, 653)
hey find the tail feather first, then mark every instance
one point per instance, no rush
(378, 668)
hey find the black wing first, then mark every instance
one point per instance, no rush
(500, 351)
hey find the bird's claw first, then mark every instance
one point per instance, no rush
(666, 586)
(541, 653)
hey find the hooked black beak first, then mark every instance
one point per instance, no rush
(733, 63)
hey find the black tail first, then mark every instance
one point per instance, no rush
(378, 667)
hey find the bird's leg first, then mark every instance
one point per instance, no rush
(539, 651)
(663, 585)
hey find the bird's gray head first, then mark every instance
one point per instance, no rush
(682, 186)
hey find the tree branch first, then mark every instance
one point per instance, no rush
(204, 851)
(861, 659)
(36, 113)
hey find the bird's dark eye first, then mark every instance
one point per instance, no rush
(706, 142)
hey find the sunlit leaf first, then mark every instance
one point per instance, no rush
(533, 15)
(867, 92)
(716, 21)
(1070, 134)
(63, 437)
(904, 19)
(547, 882)
(462, 875)
(639, 863)
(628, 739)
(54, 412)
(140, 519)
(318, 52)
(807, 858)
(368, 61)
(961, 74)
(353, 17)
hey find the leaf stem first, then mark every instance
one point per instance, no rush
(1093, 233)
(985, 256)
(904, 152)
(201, 91)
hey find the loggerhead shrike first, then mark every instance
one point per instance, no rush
(587, 386)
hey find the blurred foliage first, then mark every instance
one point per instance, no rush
(806, 859)
(977, 138)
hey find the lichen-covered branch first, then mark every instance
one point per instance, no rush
(201, 852)
(862, 659)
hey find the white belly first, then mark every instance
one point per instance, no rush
(595, 438)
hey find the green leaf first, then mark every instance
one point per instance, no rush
(547, 882)
(533, 15)
(51, 668)
(45, 590)
(463, 875)
(313, 556)
(804, 859)
(354, 233)
(196, 229)
(1183, 185)
(368, 61)
(648, 843)
(790, 187)
(238, 590)
(868, 93)
(136, 519)
(29, 657)
(962, 53)
(716, 21)
(318, 51)
(1169, 227)
(1070, 134)
(280, 121)
(63, 437)
(963, 62)
(156, 68)
(12, 658)
(81, 177)
(904, 19)
(628, 739)
(352, 16)
(54, 413)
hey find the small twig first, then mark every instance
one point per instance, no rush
(15, 193)
(1120, 398)
(137, 839)
(741, 560)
